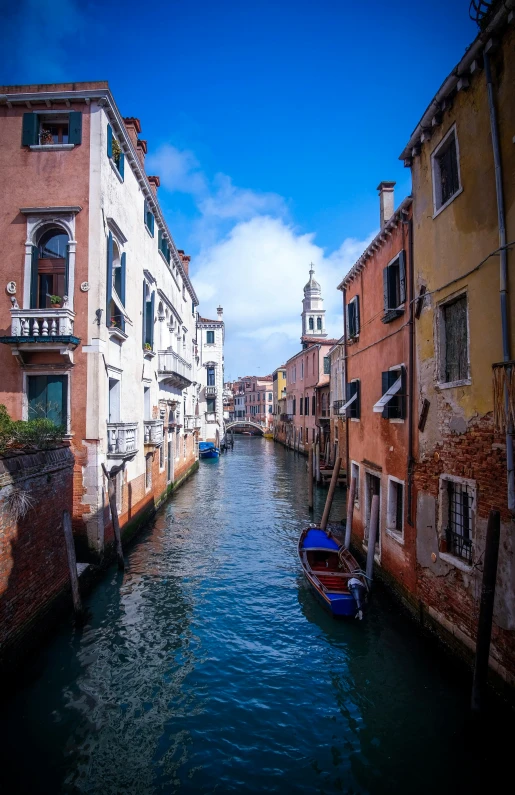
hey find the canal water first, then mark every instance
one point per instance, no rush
(208, 667)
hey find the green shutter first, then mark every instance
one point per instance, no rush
(356, 315)
(109, 141)
(30, 129)
(144, 316)
(56, 399)
(109, 278)
(152, 304)
(152, 223)
(145, 213)
(75, 127)
(34, 278)
(402, 395)
(37, 396)
(402, 277)
(121, 165)
(357, 402)
(123, 269)
(385, 383)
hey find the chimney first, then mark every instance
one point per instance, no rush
(185, 259)
(141, 149)
(386, 202)
(220, 313)
(133, 127)
(154, 184)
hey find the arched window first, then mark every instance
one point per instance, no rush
(319, 324)
(49, 277)
(311, 326)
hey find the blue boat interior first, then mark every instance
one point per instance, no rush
(204, 446)
(318, 539)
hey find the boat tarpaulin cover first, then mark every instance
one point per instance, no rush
(202, 446)
(317, 539)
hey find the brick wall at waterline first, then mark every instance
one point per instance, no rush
(33, 562)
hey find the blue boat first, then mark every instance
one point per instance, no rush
(333, 573)
(208, 450)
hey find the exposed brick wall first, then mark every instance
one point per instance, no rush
(33, 562)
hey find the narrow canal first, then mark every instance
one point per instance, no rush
(208, 666)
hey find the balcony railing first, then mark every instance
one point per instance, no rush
(286, 417)
(175, 369)
(122, 439)
(211, 391)
(504, 395)
(192, 423)
(337, 405)
(153, 430)
(42, 322)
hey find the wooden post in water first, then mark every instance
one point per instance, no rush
(114, 512)
(310, 478)
(330, 496)
(350, 511)
(72, 563)
(486, 609)
(317, 462)
(372, 535)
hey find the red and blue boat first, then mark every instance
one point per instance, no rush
(333, 573)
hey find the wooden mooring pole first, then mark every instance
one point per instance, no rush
(350, 512)
(330, 495)
(317, 462)
(111, 494)
(72, 563)
(486, 609)
(372, 535)
(310, 477)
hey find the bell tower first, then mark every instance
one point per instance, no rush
(313, 313)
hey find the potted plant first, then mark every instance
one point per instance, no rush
(117, 150)
(46, 137)
(148, 346)
(56, 301)
(114, 322)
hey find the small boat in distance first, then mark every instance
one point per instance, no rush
(208, 450)
(333, 573)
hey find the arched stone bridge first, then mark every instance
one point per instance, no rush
(245, 424)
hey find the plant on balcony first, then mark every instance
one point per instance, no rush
(117, 150)
(40, 433)
(56, 301)
(147, 346)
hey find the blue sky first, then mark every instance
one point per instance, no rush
(270, 124)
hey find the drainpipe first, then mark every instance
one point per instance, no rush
(411, 373)
(503, 287)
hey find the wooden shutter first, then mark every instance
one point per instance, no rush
(350, 320)
(160, 241)
(121, 165)
(385, 383)
(402, 395)
(123, 269)
(152, 304)
(356, 315)
(57, 399)
(34, 278)
(109, 141)
(75, 127)
(152, 223)
(385, 290)
(30, 129)
(402, 277)
(144, 315)
(109, 278)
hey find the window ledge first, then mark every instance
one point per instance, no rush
(149, 354)
(449, 201)
(456, 562)
(392, 314)
(451, 384)
(50, 147)
(116, 332)
(396, 420)
(117, 173)
(354, 419)
(395, 535)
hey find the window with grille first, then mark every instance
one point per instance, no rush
(395, 510)
(459, 516)
(454, 344)
(446, 171)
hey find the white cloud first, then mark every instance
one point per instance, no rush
(254, 262)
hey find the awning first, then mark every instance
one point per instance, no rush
(120, 306)
(346, 406)
(388, 395)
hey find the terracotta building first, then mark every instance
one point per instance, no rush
(99, 316)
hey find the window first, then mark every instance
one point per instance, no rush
(319, 324)
(269, 396)
(327, 365)
(114, 151)
(52, 129)
(210, 337)
(313, 406)
(49, 270)
(211, 405)
(311, 324)
(306, 406)
(353, 317)
(115, 285)
(457, 514)
(270, 409)
(454, 353)
(354, 468)
(294, 406)
(372, 488)
(302, 370)
(148, 472)
(148, 318)
(301, 406)
(352, 406)
(392, 404)
(114, 400)
(164, 248)
(395, 509)
(394, 288)
(48, 398)
(162, 456)
(446, 171)
(148, 217)
(210, 376)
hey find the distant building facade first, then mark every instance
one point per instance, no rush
(210, 340)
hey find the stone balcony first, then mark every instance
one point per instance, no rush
(211, 391)
(153, 433)
(192, 423)
(42, 330)
(122, 440)
(174, 370)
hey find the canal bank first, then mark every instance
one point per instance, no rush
(208, 666)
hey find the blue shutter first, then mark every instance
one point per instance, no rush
(30, 129)
(34, 278)
(75, 127)
(123, 267)
(145, 213)
(402, 277)
(152, 303)
(152, 223)
(109, 284)
(109, 141)
(160, 241)
(121, 165)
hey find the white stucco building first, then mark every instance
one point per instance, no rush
(210, 377)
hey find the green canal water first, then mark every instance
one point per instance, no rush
(207, 666)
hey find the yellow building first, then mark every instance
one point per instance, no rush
(279, 394)
(464, 319)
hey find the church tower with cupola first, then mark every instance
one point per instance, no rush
(313, 313)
